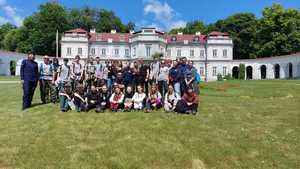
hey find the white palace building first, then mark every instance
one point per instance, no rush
(212, 54)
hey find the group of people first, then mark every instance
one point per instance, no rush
(113, 85)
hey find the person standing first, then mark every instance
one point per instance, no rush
(163, 78)
(46, 80)
(144, 75)
(63, 74)
(29, 77)
(77, 72)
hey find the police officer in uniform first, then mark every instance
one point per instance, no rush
(29, 77)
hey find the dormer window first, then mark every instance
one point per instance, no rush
(173, 39)
(196, 39)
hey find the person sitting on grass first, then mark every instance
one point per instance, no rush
(93, 99)
(139, 98)
(188, 103)
(104, 98)
(65, 98)
(116, 99)
(171, 99)
(80, 100)
(154, 100)
(128, 104)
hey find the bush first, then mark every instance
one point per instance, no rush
(228, 77)
(242, 72)
(220, 78)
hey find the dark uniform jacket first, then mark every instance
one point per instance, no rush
(29, 70)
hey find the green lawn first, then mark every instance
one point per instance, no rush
(9, 78)
(241, 124)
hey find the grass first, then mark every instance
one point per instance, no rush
(9, 78)
(241, 124)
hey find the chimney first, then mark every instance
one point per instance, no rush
(113, 31)
(179, 33)
(198, 33)
(93, 30)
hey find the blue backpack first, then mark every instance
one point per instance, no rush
(198, 77)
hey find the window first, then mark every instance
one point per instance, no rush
(178, 53)
(79, 51)
(214, 71)
(116, 52)
(215, 53)
(93, 51)
(103, 51)
(192, 52)
(169, 52)
(69, 51)
(224, 71)
(202, 53)
(148, 51)
(196, 39)
(225, 53)
(134, 51)
(173, 39)
(201, 71)
(126, 52)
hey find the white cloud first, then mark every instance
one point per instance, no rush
(164, 14)
(11, 13)
(3, 20)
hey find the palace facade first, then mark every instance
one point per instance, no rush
(201, 49)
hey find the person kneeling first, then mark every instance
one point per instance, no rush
(116, 99)
(171, 99)
(93, 99)
(128, 103)
(80, 100)
(188, 103)
(139, 98)
(65, 98)
(155, 100)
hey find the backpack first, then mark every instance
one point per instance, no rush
(198, 77)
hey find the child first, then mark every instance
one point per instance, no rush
(171, 99)
(104, 98)
(65, 98)
(128, 103)
(93, 99)
(116, 99)
(139, 98)
(154, 100)
(80, 100)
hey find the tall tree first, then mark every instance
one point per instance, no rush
(5, 29)
(242, 28)
(278, 32)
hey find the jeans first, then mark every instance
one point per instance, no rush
(177, 88)
(63, 101)
(163, 87)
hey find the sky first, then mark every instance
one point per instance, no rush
(162, 14)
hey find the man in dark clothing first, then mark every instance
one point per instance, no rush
(144, 76)
(29, 78)
(127, 76)
(93, 99)
(182, 70)
(104, 98)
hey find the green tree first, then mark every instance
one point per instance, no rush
(278, 31)
(242, 72)
(4, 30)
(242, 28)
(38, 33)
